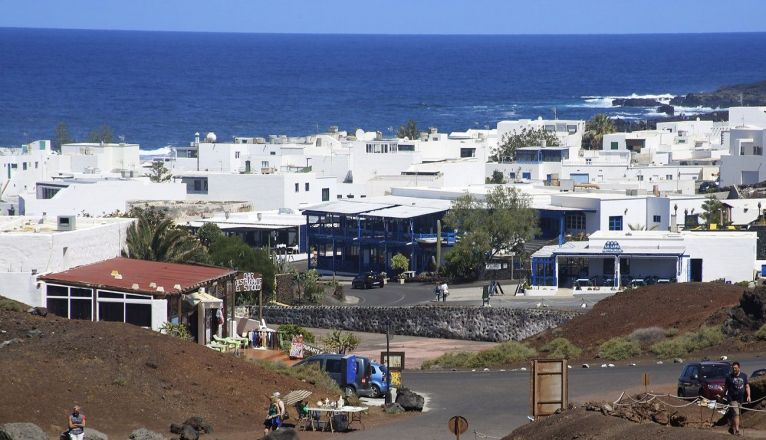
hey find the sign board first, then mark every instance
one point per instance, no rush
(612, 247)
(397, 365)
(248, 282)
(493, 266)
(549, 386)
(457, 425)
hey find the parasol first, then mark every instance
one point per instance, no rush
(294, 397)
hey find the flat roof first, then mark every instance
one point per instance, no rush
(404, 211)
(11, 225)
(141, 272)
(585, 248)
(347, 207)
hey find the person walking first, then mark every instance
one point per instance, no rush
(276, 413)
(444, 290)
(737, 392)
(437, 291)
(76, 424)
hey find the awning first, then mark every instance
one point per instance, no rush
(208, 301)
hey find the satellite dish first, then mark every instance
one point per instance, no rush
(211, 137)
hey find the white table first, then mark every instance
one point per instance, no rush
(354, 413)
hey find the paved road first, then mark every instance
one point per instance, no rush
(496, 402)
(394, 294)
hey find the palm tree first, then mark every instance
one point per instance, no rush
(595, 129)
(161, 241)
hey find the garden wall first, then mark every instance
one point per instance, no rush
(472, 323)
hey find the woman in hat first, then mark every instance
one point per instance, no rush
(276, 413)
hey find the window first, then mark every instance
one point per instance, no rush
(526, 175)
(575, 221)
(138, 314)
(36, 163)
(272, 153)
(24, 166)
(81, 309)
(306, 186)
(339, 196)
(197, 185)
(406, 148)
(236, 155)
(334, 365)
(614, 145)
(512, 175)
(264, 164)
(325, 194)
(615, 223)
(657, 219)
(640, 178)
(111, 311)
(58, 306)
(297, 186)
(588, 161)
(468, 152)
(571, 129)
(668, 177)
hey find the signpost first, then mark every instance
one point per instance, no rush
(394, 361)
(251, 282)
(645, 381)
(457, 425)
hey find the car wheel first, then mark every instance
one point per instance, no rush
(680, 393)
(349, 391)
(375, 391)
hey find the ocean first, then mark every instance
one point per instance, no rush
(158, 88)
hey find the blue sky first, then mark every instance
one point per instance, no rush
(393, 16)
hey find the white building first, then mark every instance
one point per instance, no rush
(610, 260)
(101, 157)
(95, 196)
(30, 246)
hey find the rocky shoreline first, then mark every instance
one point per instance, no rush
(751, 94)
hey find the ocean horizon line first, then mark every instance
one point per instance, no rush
(577, 34)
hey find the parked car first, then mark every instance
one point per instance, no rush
(707, 186)
(758, 373)
(367, 280)
(704, 379)
(379, 379)
(352, 373)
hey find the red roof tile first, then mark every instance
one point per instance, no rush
(141, 272)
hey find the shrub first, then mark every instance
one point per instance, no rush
(290, 330)
(340, 342)
(618, 348)
(561, 348)
(761, 333)
(647, 336)
(688, 342)
(11, 305)
(178, 330)
(498, 356)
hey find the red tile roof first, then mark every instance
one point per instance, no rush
(141, 272)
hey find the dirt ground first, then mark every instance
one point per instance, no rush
(683, 306)
(126, 377)
(660, 419)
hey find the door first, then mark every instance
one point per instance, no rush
(695, 270)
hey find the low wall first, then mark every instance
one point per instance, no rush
(472, 323)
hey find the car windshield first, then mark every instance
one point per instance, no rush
(711, 371)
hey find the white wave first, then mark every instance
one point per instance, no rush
(163, 151)
(606, 101)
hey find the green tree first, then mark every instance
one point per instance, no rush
(714, 212)
(101, 134)
(526, 137)
(158, 172)
(497, 178)
(400, 262)
(500, 223)
(149, 239)
(61, 136)
(409, 130)
(340, 342)
(595, 129)
(209, 233)
(310, 289)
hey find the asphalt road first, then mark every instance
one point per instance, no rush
(496, 402)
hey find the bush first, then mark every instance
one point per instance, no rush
(688, 342)
(761, 333)
(290, 330)
(310, 373)
(498, 356)
(617, 349)
(178, 330)
(340, 342)
(11, 305)
(647, 336)
(561, 348)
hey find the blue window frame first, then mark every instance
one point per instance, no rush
(526, 175)
(615, 223)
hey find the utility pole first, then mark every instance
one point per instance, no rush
(388, 363)
(438, 244)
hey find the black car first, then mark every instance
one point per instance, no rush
(758, 373)
(707, 186)
(367, 280)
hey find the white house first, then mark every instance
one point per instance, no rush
(103, 157)
(30, 246)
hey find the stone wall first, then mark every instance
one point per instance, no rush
(473, 323)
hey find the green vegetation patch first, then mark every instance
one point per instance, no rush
(308, 373)
(498, 356)
(705, 337)
(561, 348)
(617, 349)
